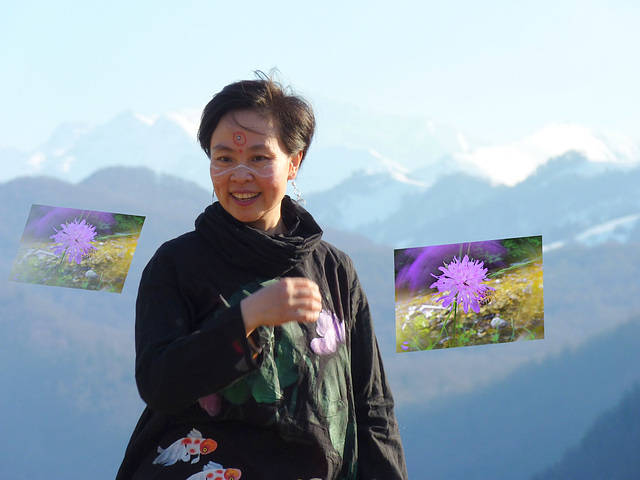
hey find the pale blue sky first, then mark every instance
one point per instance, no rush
(499, 69)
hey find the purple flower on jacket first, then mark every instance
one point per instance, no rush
(211, 404)
(462, 282)
(332, 333)
(74, 239)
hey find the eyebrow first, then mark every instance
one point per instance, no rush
(225, 148)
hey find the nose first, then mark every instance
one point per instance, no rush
(241, 174)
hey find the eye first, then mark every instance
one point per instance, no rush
(221, 163)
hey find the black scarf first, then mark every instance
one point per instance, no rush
(253, 250)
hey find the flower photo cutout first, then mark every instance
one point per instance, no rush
(73, 248)
(469, 294)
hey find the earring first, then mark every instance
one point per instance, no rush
(213, 197)
(296, 191)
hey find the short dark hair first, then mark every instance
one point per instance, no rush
(293, 114)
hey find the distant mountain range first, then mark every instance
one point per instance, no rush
(568, 200)
(67, 355)
(413, 151)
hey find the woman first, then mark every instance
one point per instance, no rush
(255, 349)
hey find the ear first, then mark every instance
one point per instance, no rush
(294, 164)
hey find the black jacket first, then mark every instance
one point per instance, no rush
(311, 401)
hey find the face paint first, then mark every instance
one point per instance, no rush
(265, 170)
(261, 166)
(239, 138)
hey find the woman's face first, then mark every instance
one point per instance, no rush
(250, 169)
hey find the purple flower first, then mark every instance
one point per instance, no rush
(212, 404)
(413, 265)
(331, 331)
(462, 280)
(74, 239)
(41, 217)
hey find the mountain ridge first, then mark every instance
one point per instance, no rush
(166, 143)
(75, 348)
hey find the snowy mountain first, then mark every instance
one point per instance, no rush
(76, 151)
(360, 178)
(566, 200)
(414, 151)
(362, 197)
(410, 141)
(514, 162)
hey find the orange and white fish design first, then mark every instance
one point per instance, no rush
(185, 448)
(215, 471)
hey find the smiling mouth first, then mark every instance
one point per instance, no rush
(244, 196)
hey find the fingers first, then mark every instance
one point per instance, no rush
(292, 299)
(306, 313)
(300, 286)
(302, 298)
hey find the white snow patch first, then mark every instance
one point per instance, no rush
(188, 120)
(397, 171)
(65, 166)
(59, 152)
(552, 246)
(36, 160)
(512, 163)
(617, 229)
(359, 210)
(463, 143)
(146, 119)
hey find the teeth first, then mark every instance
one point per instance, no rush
(244, 196)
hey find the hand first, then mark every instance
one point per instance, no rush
(292, 299)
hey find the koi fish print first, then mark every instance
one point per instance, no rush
(215, 471)
(185, 448)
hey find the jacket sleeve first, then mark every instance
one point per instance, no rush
(176, 364)
(380, 451)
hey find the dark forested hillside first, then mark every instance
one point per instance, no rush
(514, 427)
(609, 450)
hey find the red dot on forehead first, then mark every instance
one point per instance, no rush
(239, 138)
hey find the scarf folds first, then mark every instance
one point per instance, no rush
(253, 250)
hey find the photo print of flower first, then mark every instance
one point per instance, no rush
(73, 248)
(467, 294)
